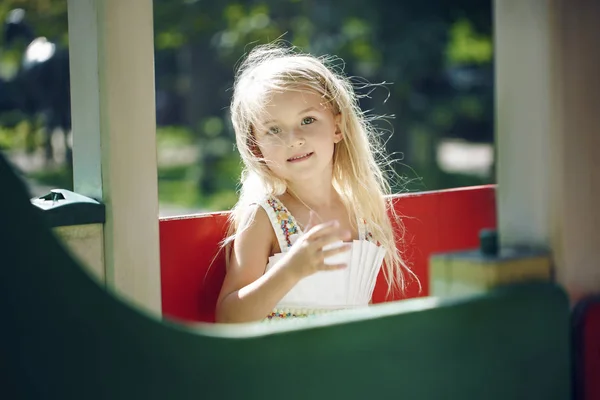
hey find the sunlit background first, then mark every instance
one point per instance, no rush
(435, 57)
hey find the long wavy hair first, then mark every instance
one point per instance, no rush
(358, 159)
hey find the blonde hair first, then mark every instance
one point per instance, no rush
(357, 176)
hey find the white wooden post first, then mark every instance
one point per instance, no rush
(548, 133)
(114, 134)
(523, 118)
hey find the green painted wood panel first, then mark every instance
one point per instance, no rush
(63, 337)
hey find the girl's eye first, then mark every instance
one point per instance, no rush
(308, 120)
(274, 130)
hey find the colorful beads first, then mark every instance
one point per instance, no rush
(282, 315)
(291, 313)
(284, 219)
(289, 226)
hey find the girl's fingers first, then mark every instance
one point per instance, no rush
(333, 267)
(332, 237)
(332, 252)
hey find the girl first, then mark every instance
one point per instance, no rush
(312, 197)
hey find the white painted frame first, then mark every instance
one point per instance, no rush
(114, 137)
(548, 133)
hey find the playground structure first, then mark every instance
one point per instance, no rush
(131, 327)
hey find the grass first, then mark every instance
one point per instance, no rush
(179, 185)
(179, 193)
(61, 178)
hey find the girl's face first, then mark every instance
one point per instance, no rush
(296, 135)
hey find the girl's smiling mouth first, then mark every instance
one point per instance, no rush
(300, 157)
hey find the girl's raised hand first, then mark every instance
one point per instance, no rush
(307, 256)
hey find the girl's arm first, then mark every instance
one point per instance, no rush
(248, 293)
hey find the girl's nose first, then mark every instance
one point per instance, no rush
(295, 139)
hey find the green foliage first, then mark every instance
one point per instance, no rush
(466, 46)
(176, 188)
(19, 137)
(10, 139)
(49, 17)
(57, 178)
(412, 44)
(169, 40)
(174, 136)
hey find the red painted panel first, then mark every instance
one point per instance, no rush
(586, 348)
(434, 222)
(192, 268)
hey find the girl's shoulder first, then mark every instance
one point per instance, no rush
(254, 217)
(275, 209)
(268, 213)
(255, 228)
(283, 224)
(258, 210)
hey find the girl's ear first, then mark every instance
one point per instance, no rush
(338, 135)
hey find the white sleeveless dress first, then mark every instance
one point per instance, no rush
(324, 291)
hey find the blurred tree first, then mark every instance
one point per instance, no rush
(49, 17)
(436, 56)
(41, 78)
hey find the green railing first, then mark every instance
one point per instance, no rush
(64, 337)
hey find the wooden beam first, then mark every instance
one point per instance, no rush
(114, 135)
(523, 118)
(548, 102)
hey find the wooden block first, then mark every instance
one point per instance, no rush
(471, 272)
